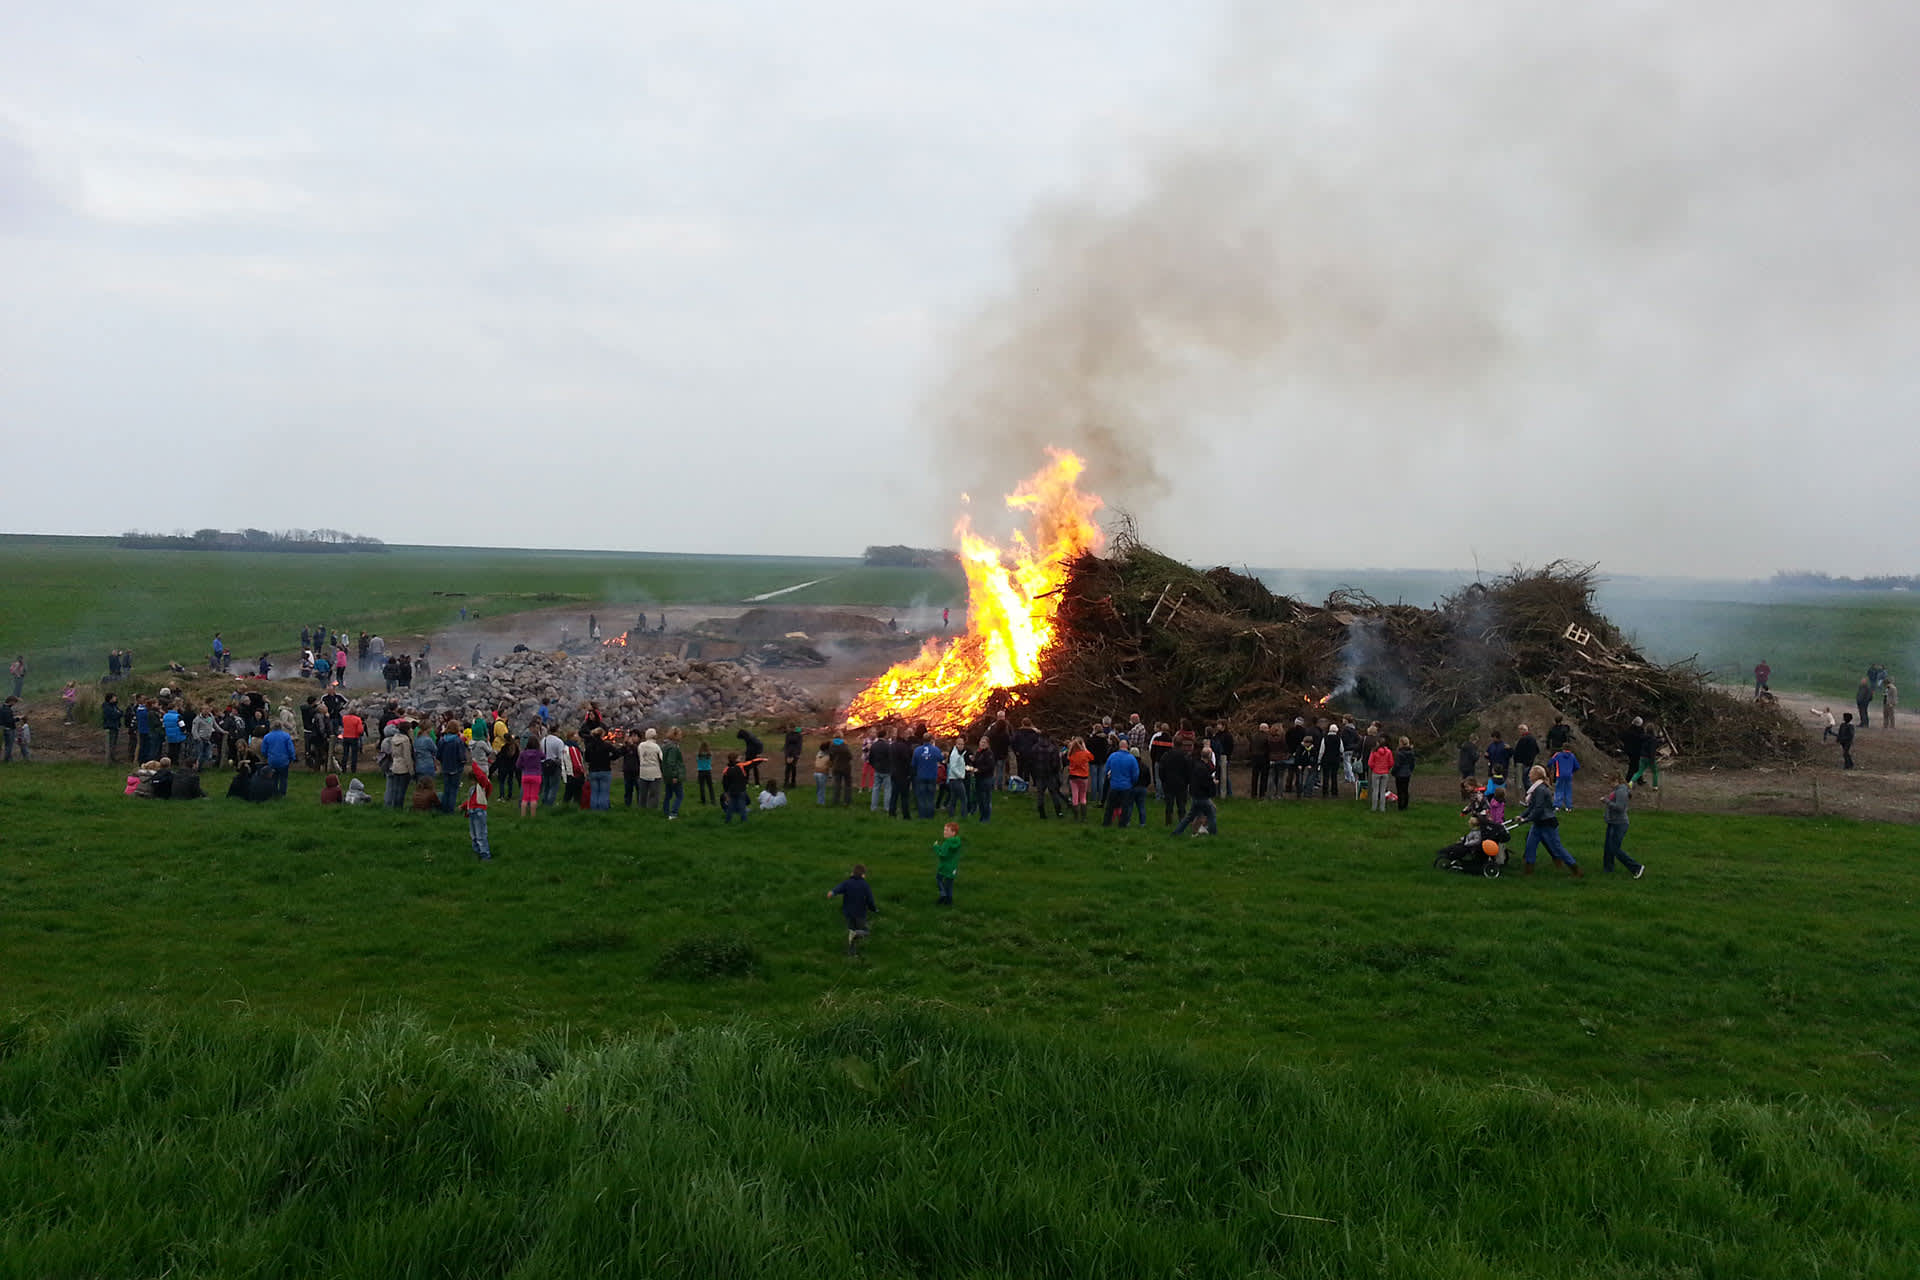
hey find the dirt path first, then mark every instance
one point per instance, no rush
(1883, 786)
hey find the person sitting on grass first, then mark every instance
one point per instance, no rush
(771, 797)
(946, 865)
(357, 793)
(424, 798)
(856, 899)
(1544, 824)
(330, 792)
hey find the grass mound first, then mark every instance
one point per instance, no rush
(707, 957)
(886, 1144)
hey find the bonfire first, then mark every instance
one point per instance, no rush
(1013, 597)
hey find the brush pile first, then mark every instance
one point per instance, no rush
(1138, 631)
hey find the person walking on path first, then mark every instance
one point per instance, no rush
(1863, 699)
(1889, 700)
(1844, 736)
(856, 904)
(18, 670)
(1403, 763)
(1543, 824)
(1379, 769)
(1619, 794)
(1649, 749)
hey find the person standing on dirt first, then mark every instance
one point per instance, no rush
(18, 670)
(1762, 677)
(756, 752)
(1649, 762)
(1863, 699)
(790, 749)
(1259, 757)
(1844, 736)
(1526, 751)
(1889, 699)
(1559, 735)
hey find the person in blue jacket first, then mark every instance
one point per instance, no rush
(279, 752)
(1122, 777)
(453, 766)
(926, 775)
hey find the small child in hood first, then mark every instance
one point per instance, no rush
(1564, 765)
(1497, 805)
(856, 904)
(330, 792)
(357, 793)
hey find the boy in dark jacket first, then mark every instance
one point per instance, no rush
(856, 902)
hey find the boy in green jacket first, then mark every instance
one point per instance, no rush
(946, 852)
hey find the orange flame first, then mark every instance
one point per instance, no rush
(1012, 597)
(619, 640)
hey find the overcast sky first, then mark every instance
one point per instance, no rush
(1317, 285)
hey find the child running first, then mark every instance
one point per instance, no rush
(1616, 812)
(946, 852)
(856, 904)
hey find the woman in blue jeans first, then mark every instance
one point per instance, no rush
(1543, 824)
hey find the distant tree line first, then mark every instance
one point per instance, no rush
(299, 541)
(911, 558)
(1880, 582)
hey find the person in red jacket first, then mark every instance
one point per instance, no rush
(1379, 768)
(476, 806)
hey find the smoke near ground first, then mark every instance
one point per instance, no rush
(1637, 278)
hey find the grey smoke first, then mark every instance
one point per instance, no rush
(1613, 232)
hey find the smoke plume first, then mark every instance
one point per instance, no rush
(1684, 226)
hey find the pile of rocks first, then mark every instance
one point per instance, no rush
(633, 689)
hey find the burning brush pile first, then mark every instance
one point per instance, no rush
(1068, 634)
(1137, 631)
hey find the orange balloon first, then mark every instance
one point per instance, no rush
(1490, 847)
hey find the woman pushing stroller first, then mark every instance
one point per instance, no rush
(1543, 823)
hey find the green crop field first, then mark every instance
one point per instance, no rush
(1816, 642)
(293, 1040)
(68, 600)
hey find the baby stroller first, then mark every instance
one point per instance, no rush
(1481, 851)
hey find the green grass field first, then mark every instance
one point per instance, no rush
(69, 600)
(329, 1041)
(1820, 643)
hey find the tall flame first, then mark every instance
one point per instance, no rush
(1012, 597)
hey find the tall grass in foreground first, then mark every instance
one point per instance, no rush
(885, 1145)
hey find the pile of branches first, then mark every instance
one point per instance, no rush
(1139, 631)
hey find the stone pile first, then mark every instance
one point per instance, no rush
(633, 689)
